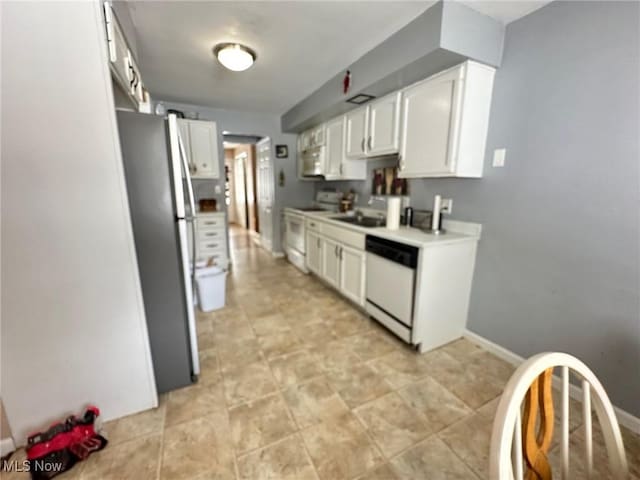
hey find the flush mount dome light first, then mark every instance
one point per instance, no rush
(234, 56)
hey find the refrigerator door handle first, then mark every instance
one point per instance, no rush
(188, 287)
(191, 219)
(187, 175)
(176, 165)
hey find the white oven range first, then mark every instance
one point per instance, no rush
(295, 237)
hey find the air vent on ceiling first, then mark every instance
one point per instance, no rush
(360, 98)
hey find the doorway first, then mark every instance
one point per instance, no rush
(241, 186)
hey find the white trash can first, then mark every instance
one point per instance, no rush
(211, 286)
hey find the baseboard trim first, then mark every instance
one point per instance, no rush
(6, 446)
(624, 418)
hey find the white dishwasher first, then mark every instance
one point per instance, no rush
(391, 279)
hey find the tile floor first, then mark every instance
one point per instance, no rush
(297, 384)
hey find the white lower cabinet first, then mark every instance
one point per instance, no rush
(314, 253)
(333, 256)
(211, 238)
(352, 274)
(331, 262)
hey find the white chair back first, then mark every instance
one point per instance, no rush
(514, 456)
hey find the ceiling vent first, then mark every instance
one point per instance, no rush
(360, 99)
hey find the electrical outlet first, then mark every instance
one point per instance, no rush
(217, 189)
(447, 205)
(499, 155)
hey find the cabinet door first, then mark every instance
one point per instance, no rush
(427, 122)
(330, 262)
(334, 148)
(118, 50)
(356, 133)
(384, 125)
(318, 135)
(204, 148)
(352, 274)
(314, 253)
(304, 140)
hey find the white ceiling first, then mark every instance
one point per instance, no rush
(300, 45)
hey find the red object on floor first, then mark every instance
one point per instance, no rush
(56, 450)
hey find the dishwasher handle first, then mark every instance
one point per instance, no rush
(401, 253)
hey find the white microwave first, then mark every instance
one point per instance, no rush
(313, 161)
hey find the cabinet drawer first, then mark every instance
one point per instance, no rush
(312, 225)
(219, 256)
(212, 245)
(211, 234)
(210, 221)
(344, 235)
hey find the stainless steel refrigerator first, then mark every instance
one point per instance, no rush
(158, 182)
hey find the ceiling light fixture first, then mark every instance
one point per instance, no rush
(234, 56)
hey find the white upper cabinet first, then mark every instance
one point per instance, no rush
(374, 130)
(356, 133)
(314, 137)
(438, 127)
(383, 125)
(122, 63)
(337, 165)
(200, 140)
(334, 148)
(445, 119)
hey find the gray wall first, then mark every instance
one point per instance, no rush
(558, 264)
(294, 191)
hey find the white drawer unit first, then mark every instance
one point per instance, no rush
(211, 238)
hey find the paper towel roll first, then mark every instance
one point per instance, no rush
(393, 213)
(437, 207)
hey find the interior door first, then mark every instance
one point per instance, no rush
(240, 188)
(356, 133)
(314, 253)
(352, 274)
(265, 189)
(384, 125)
(427, 124)
(330, 262)
(334, 147)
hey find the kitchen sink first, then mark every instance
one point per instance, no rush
(368, 222)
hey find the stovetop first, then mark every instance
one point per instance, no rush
(310, 209)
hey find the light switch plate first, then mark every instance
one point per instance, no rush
(499, 155)
(217, 189)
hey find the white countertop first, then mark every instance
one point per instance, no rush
(456, 231)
